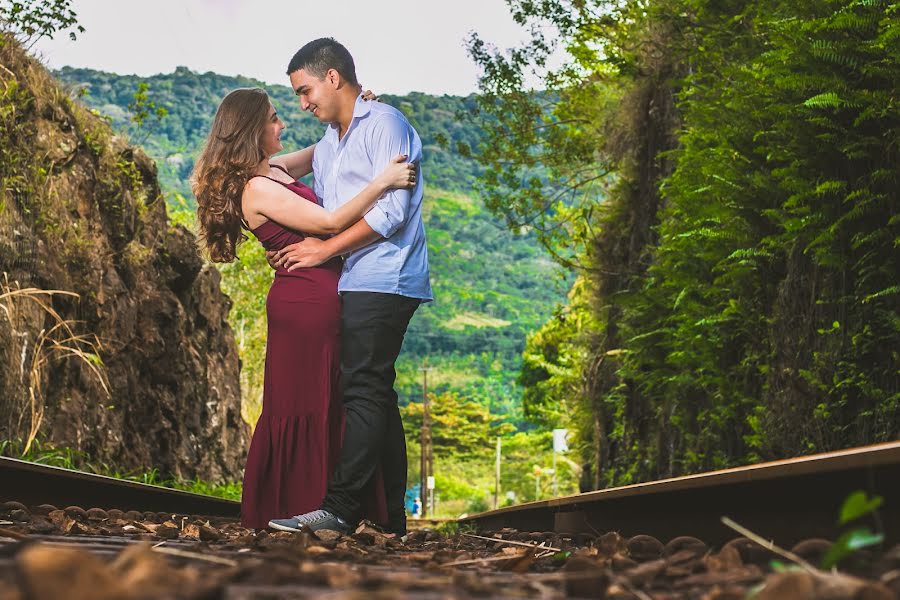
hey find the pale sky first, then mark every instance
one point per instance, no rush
(398, 46)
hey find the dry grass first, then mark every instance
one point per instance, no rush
(58, 342)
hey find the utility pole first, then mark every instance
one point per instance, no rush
(497, 476)
(555, 486)
(559, 445)
(425, 465)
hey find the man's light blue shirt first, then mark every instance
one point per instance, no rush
(397, 264)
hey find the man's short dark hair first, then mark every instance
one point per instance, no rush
(318, 56)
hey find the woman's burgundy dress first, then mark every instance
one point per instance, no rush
(297, 440)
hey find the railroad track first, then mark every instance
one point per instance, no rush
(654, 540)
(789, 499)
(786, 500)
(34, 484)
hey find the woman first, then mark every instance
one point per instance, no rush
(238, 185)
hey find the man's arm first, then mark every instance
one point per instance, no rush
(391, 134)
(312, 252)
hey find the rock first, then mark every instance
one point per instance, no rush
(76, 512)
(318, 550)
(97, 514)
(538, 536)
(833, 585)
(875, 591)
(417, 536)
(144, 290)
(617, 592)
(19, 515)
(41, 525)
(745, 576)
(329, 535)
(644, 547)
(472, 584)
(112, 530)
(727, 558)
(586, 578)
(685, 542)
(750, 551)
(369, 535)
(620, 562)
(812, 550)
(208, 534)
(645, 573)
(727, 593)
(8, 507)
(49, 573)
(167, 531)
(684, 563)
(57, 517)
(431, 535)
(43, 509)
(191, 531)
(889, 563)
(610, 544)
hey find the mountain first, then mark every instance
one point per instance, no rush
(191, 99)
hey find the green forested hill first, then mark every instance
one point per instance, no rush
(191, 99)
(491, 287)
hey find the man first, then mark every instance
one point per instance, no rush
(385, 277)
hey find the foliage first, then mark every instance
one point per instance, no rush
(452, 528)
(542, 167)
(43, 453)
(145, 114)
(31, 20)
(856, 506)
(460, 426)
(743, 261)
(57, 341)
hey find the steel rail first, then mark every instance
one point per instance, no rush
(33, 484)
(786, 500)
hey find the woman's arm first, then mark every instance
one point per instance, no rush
(297, 163)
(276, 203)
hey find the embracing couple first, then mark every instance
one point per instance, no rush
(328, 449)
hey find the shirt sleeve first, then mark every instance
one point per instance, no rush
(317, 179)
(391, 135)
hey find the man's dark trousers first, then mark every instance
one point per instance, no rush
(372, 328)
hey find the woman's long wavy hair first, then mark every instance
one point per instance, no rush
(228, 161)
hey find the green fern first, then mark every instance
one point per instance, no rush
(826, 100)
(826, 51)
(894, 289)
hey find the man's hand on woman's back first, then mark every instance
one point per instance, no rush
(310, 252)
(271, 258)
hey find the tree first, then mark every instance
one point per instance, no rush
(743, 261)
(30, 20)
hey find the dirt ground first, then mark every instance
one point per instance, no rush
(48, 553)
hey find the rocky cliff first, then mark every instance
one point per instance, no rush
(81, 211)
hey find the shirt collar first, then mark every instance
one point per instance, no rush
(360, 110)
